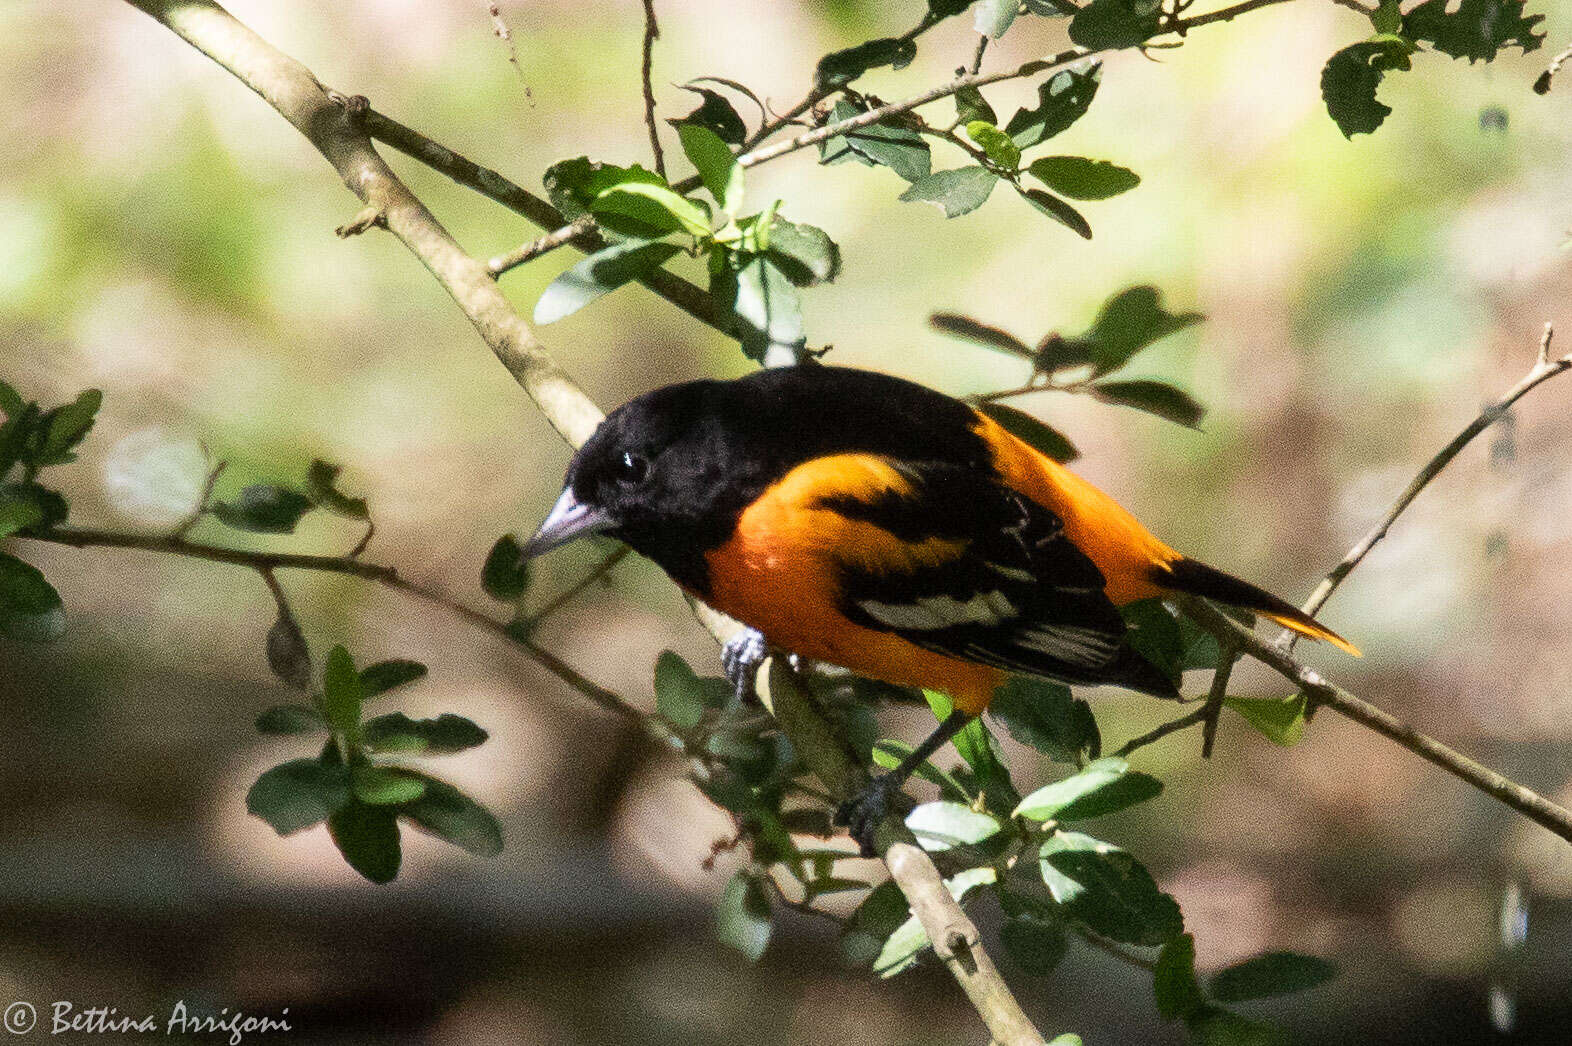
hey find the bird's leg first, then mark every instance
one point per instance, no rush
(862, 813)
(740, 660)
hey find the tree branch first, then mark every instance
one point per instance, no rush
(651, 34)
(291, 89)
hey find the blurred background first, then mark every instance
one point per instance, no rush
(166, 237)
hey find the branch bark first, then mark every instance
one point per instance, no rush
(323, 118)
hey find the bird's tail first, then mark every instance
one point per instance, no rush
(1198, 579)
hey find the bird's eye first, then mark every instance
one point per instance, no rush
(632, 468)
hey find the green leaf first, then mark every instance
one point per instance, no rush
(1108, 890)
(30, 608)
(682, 696)
(1178, 994)
(29, 507)
(716, 114)
(505, 574)
(840, 68)
(971, 105)
(803, 253)
(999, 147)
(900, 950)
(1154, 633)
(1128, 322)
(1281, 720)
(1387, 17)
(573, 184)
(1476, 30)
(1104, 25)
(444, 735)
(320, 488)
(979, 332)
(993, 18)
(65, 428)
(957, 192)
(1061, 100)
(1083, 179)
(1045, 716)
(1058, 210)
(385, 785)
(888, 753)
(938, 9)
(11, 401)
(1035, 946)
(901, 149)
(287, 654)
(1215, 1026)
(1274, 973)
(367, 836)
(291, 719)
(1030, 430)
(17, 513)
(18, 434)
(385, 675)
(599, 274)
(453, 817)
(742, 918)
(1069, 1038)
(945, 826)
(1104, 787)
(976, 745)
(1351, 76)
(298, 794)
(264, 509)
(656, 206)
(341, 691)
(717, 167)
(760, 304)
(878, 916)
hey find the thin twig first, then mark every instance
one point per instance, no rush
(1542, 84)
(977, 56)
(581, 226)
(1118, 951)
(500, 30)
(651, 34)
(567, 595)
(1545, 368)
(1213, 709)
(196, 514)
(1184, 722)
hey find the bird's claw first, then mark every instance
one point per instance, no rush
(740, 660)
(860, 815)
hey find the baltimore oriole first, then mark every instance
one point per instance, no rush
(863, 520)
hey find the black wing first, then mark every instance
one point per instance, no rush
(1019, 595)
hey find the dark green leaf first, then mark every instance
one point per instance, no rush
(1061, 100)
(385, 675)
(454, 817)
(1274, 973)
(993, 18)
(957, 192)
(505, 574)
(1035, 946)
(998, 146)
(717, 167)
(1059, 211)
(805, 254)
(971, 105)
(367, 836)
(1083, 179)
(945, 825)
(1281, 720)
(385, 785)
(1128, 322)
(320, 488)
(1173, 981)
(682, 696)
(444, 735)
(1045, 716)
(1387, 17)
(65, 428)
(900, 950)
(1102, 788)
(880, 914)
(840, 68)
(1154, 397)
(29, 507)
(1215, 1026)
(1155, 635)
(30, 608)
(287, 653)
(1108, 890)
(899, 148)
(889, 752)
(1104, 25)
(298, 794)
(1476, 29)
(938, 9)
(341, 692)
(1050, 8)
(742, 918)
(17, 512)
(599, 274)
(11, 401)
(1033, 432)
(838, 148)
(18, 434)
(981, 333)
(649, 208)
(760, 304)
(1351, 76)
(291, 719)
(716, 114)
(808, 821)
(573, 184)
(264, 509)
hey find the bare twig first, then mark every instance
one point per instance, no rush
(1542, 84)
(583, 225)
(1184, 722)
(1544, 369)
(651, 34)
(572, 592)
(977, 56)
(500, 30)
(1213, 708)
(200, 510)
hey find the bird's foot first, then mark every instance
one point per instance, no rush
(861, 814)
(740, 660)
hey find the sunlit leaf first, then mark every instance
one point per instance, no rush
(1083, 179)
(742, 918)
(298, 794)
(1280, 720)
(1106, 786)
(956, 192)
(1061, 100)
(1108, 890)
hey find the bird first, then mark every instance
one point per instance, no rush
(858, 519)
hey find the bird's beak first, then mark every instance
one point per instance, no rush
(569, 518)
